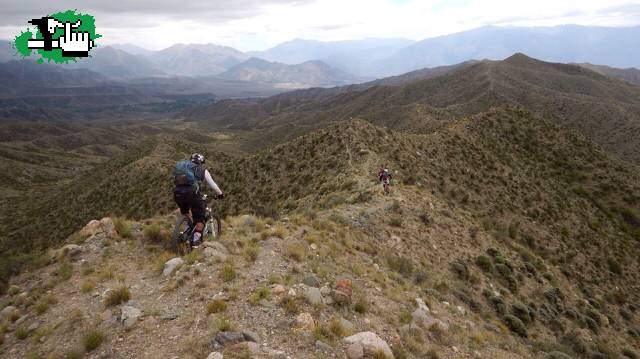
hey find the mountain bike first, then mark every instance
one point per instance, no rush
(182, 238)
(385, 186)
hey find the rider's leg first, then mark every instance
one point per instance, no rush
(198, 211)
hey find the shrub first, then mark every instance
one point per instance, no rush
(523, 312)
(400, 264)
(122, 227)
(460, 268)
(558, 355)
(87, 286)
(251, 253)
(228, 272)
(117, 296)
(515, 325)
(614, 266)
(153, 233)
(216, 306)
(485, 264)
(21, 333)
(74, 354)
(296, 251)
(289, 304)
(92, 340)
(432, 354)
(65, 270)
(395, 221)
(260, 294)
(224, 324)
(361, 306)
(629, 353)
(404, 317)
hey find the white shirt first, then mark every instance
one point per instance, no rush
(211, 183)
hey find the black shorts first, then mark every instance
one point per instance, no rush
(188, 199)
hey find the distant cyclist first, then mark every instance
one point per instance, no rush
(188, 177)
(384, 176)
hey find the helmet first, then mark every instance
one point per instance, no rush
(197, 158)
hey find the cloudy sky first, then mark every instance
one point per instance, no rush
(259, 24)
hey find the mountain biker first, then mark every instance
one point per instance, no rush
(188, 177)
(384, 176)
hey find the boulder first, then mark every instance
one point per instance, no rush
(94, 227)
(426, 320)
(371, 343)
(305, 321)
(71, 251)
(313, 295)
(251, 336)
(277, 289)
(325, 290)
(228, 338)
(171, 266)
(323, 347)
(347, 325)
(214, 254)
(311, 281)
(8, 312)
(214, 355)
(343, 292)
(355, 351)
(130, 315)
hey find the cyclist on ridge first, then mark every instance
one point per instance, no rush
(188, 177)
(384, 176)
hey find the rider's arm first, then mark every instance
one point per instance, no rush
(211, 183)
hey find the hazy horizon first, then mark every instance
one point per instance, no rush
(250, 25)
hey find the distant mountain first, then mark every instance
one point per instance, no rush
(116, 63)
(197, 60)
(353, 56)
(307, 74)
(605, 110)
(133, 49)
(630, 75)
(618, 47)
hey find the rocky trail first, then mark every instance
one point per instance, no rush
(293, 288)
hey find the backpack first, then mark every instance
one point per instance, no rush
(184, 174)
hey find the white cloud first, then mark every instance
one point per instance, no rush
(254, 24)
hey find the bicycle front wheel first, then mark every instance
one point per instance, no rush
(213, 228)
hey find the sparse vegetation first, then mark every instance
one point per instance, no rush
(228, 272)
(216, 306)
(117, 296)
(92, 340)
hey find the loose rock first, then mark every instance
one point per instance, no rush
(228, 338)
(251, 336)
(130, 315)
(214, 355)
(355, 351)
(371, 343)
(305, 321)
(313, 295)
(311, 281)
(171, 266)
(343, 292)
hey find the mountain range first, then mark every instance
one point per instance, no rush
(606, 110)
(376, 58)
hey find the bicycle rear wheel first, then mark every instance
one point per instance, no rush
(180, 243)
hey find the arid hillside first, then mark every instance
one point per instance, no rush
(505, 236)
